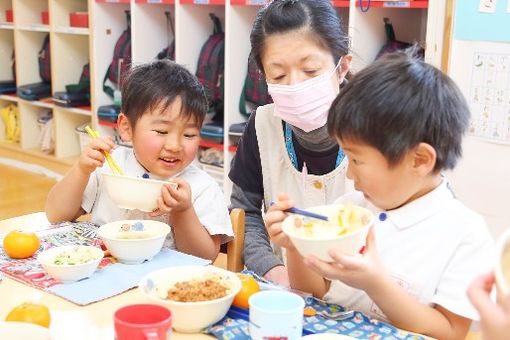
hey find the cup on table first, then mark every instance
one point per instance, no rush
(276, 314)
(143, 322)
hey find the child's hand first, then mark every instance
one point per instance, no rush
(92, 156)
(494, 319)
(172, 199)
(361, 271)
(273, 221)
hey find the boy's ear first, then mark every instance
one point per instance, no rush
(124, 127)
(424, 159)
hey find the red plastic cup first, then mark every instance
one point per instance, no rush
(143, 322)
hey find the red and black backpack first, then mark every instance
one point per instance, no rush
(44, 57)
(121, 61)
(254, 92)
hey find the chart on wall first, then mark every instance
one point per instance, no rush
(489, 96)
(481, 54)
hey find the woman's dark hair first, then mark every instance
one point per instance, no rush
(156, 85)
(398, 102)
(281, 16)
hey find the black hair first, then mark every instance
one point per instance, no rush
(281, 16)
(156, 85)
(398, 102)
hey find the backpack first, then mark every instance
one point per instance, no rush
(83, 85)
(210, 68)
(254, 91)
(44, 57)
(121, 60)
(10, 118)
(169, 51)
(392, 44)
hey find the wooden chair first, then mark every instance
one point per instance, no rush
(235, 247)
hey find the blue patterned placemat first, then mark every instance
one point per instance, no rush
(235, 326)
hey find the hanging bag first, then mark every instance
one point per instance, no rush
(392, 44)
(254, 92)
(44, 57)
(169, 51)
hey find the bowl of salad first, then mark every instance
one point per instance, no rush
(346, 230)
(70, 263)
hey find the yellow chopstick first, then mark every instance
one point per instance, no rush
(111, 162)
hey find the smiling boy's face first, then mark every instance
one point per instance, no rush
(387, 187)
(164, 141)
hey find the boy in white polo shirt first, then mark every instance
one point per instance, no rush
(163, 107)
(400, 122)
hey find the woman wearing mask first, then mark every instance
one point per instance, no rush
(301, 49)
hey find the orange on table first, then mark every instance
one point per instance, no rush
(20, 245)
(249, 286)
(30, 312)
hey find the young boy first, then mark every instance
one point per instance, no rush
(400, 122)
(163, 107)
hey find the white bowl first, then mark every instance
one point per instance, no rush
(502, 266)
(189, 317)
(11, 330)
(70, 272)
(350, 243)
(133, 250)
(132, 192)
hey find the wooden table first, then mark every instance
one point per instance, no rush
(71, 321)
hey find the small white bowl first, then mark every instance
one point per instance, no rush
(70, 272)
(132, 192)
(350, 243)
(502, 266)
(13, 330)
(189, 317)
(134, 246)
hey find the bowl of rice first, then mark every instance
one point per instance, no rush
(346, 230)
(198, 296)
(70, 263)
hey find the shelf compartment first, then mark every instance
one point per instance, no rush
(394, 4)
(33, 27)
(61, 10)
(67, 67)
(6, 26)
(152, 17)
(29, 12)
(28, 44)
(30, 128)
(67, 140)
(72, 30)
(6, 50)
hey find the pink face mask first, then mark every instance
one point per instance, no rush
(305, 105)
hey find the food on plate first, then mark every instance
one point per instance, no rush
(30, 312)
(249, 286)
(346, 219)
(74, 256)
(205, 288)
(20, 245)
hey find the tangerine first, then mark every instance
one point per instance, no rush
(20, 245)
(30, 312)
(249, 286)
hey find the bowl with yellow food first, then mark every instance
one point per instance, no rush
(346, 230)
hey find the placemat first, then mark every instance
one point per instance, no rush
(235, 325)
(110, 279)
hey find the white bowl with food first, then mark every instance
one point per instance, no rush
(346, 230)
(198, 296)
(14, 330)
(134, 192)
(70, 263)
(502, 266)
(133, 241)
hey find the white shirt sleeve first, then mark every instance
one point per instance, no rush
(474, 256)
(91, 191)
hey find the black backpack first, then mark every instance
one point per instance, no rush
(169, 51)
(210, 68)
(121, 61)
(44, 57)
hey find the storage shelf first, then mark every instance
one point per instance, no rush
(83, 110)
(396, 4)
(6, 26)
(33, 27)
(206, 144)
(72, 30)
(9, 97)
(46, 102)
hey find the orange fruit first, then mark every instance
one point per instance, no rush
(30, 312)
(249, 286)
(20, 245)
